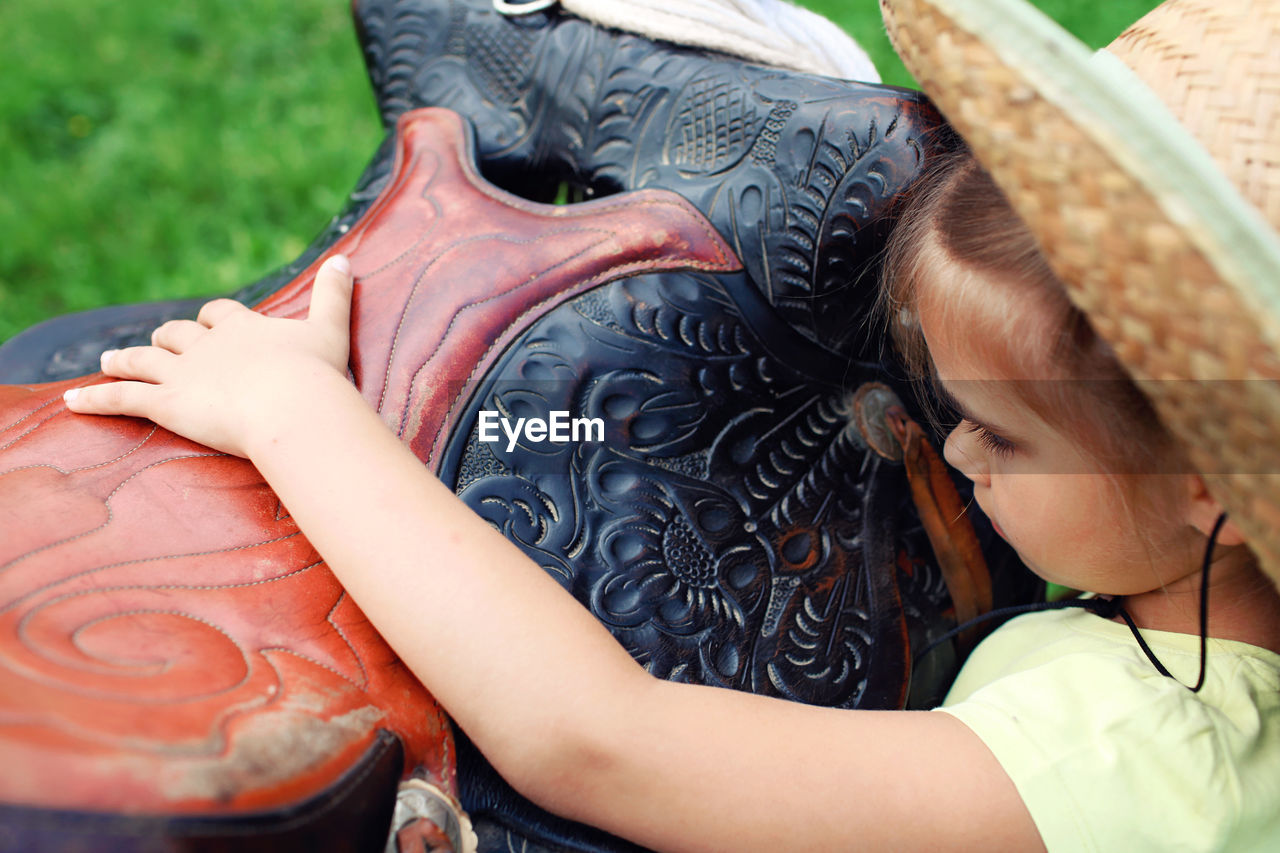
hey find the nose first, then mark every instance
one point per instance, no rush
(963, 454)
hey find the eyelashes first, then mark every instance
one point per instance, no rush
(995, 444)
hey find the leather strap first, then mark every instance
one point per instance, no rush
(945, 521)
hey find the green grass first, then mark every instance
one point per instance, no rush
(154, 149)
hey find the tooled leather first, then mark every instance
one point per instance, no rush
(417, 350)
(797, 172)
(169, 641)
(557, 100)
(732, 529)
(724, 529)
(137, 674)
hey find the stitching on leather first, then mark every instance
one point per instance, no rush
(442, 722)
(429, 232)
(29, 414)
(33, 428)
(117, 696)
(127, 453)
(318, 663)
(244, 653)
(391, 193)
(17, 601)
(624, 200)
(404, 412)
(640, 199)
(107, 503)
(364, 673)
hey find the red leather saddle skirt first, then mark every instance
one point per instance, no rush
(170, 643)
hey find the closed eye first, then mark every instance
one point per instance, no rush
(993, 443)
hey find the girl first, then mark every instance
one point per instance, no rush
(1060, 732)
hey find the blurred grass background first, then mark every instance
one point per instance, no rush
(154, 149)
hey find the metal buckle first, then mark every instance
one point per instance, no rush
(416, 800)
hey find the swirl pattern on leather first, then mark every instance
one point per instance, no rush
(731, 529)
(169, 642)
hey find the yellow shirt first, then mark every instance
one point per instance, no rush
(1108, 754)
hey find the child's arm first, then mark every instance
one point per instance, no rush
(543, 689)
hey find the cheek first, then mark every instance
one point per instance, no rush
(1052, 513)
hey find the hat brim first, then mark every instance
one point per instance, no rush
(1174, 268)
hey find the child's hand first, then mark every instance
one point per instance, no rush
(232, 376)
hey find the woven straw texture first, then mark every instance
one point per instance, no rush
(1221, 80)
(1185, 333)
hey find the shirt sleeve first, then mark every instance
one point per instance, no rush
(1107, 755)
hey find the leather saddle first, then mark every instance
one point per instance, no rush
(178, 670)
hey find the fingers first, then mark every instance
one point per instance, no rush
(148, 364)
(331, 294)
(113, 398)
(212, 313)
(177, 335)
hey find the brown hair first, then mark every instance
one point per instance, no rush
(1026, 327)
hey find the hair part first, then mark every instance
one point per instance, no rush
(1018, 317)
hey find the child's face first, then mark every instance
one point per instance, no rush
(1045, 495)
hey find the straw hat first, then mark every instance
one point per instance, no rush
(1150, 174)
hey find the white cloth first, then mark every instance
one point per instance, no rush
(770, 32)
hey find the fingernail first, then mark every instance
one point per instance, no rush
(106, 356)
(70, 394)
(341, 264)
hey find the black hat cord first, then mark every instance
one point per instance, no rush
(1109, 609)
